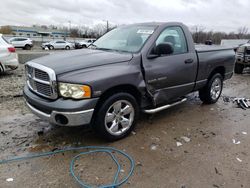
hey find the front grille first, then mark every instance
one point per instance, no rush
(43, 88)
(41, 80)
(39, 74)
(239, 54)
(29, 70)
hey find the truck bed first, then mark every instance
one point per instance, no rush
(207, 48)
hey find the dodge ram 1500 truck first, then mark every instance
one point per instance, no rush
(145, 67)
(242, 58)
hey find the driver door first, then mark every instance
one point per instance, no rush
(171, 76)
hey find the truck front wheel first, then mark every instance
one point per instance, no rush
(116, 117)
(212, 91)
(238, 68)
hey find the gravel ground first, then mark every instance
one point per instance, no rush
(207, 158)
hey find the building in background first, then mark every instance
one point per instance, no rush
(37, 31)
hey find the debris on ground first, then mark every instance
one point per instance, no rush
(186, 139)
(217, 171)
(40, 133)
(153, 147)
(138, 164)
(20, 137)
(164, 132)
(238, 159)
(217, 186)
(133, 133)
(178, 144)
(5, 132)
(9, 179)
(242, 103)
(155, 139)
(243, 132)
(226, 99)
(236, 142)
(18, 95)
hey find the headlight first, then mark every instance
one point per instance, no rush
(74, 91)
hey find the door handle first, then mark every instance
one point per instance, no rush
(188, 61)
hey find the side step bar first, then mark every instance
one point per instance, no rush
(155, 110)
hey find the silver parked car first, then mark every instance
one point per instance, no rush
(58, 44)
(21, 42)
(84, 43)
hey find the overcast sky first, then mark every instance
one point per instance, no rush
(216, 15)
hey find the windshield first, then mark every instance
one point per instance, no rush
(128, 38)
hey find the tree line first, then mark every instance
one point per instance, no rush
(199, 33)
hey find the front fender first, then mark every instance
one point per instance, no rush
(101, 78)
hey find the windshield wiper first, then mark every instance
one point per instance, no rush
(108, 49)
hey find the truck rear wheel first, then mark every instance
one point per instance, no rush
(212, 91)
(116, 117)
(238, 68)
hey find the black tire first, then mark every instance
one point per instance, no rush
(238, 68)
(67, 48)
(1, 69)
(100, 125)
(205, 93)
(27, 47)
(84, 46)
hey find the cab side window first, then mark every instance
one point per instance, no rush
(174, 36)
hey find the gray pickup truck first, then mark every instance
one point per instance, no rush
(144, 67)
(242, 58)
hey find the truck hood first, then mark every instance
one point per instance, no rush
(63, 62)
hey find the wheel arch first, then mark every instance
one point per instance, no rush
(219, 69)
(126, 88)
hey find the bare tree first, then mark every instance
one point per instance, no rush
(242, 31)
(197, 31)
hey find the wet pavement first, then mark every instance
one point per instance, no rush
(212, 140)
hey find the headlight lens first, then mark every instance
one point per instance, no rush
(74, 91)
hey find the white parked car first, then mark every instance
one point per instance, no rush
(84, 43)
(21, 42)
(8, 57)
(58, 44)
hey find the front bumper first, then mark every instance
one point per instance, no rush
(63, 112)
(243, 60)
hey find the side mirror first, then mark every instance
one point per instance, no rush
(165, 48)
